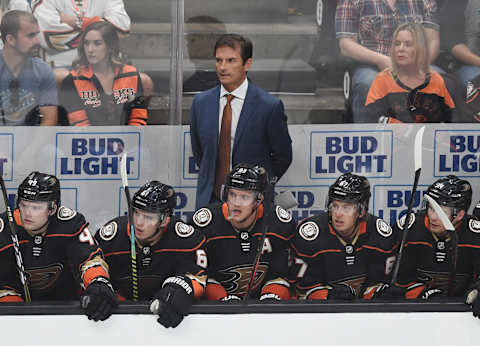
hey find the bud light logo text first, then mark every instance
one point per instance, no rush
(310, 200)
(367, 153)
(96, 156)
(390, 202)
(6, 156)
(457, 152)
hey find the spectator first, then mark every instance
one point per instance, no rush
(463, 37)
(365, 29)
(463, 42)
(27, 85)
(63, 21)
(252, 129)
(100, 89)
(408, 91)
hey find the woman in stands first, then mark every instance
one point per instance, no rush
(100, 89)
(409, 91)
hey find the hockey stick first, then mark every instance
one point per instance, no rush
(16, 245)
(454, 239)
(133, 252)
(418, 168)
(268, 200)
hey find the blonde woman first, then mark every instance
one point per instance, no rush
(409, 91)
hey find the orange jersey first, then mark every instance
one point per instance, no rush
(87, 104)
(388, 97)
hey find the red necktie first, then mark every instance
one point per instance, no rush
(224, 147)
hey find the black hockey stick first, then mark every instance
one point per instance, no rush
(268, 201)
(418, 168)
(133, 252)
(454, 239)
(16, 245)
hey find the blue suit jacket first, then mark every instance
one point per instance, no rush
(261, 136)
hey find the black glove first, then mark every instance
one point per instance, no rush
(270, 298)
(432, 294)
(341, 292)
(387, 291)
(99, 299)
(474, 302)
(173, 301)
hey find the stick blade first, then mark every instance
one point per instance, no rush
(441, 214)
(123, 168)
(418, 148)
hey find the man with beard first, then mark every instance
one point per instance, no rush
(28, 93)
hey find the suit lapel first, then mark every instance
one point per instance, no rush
(212, 109)
(247, 113)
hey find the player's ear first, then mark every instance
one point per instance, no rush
(53, 209)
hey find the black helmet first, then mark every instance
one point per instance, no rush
(155, 197)
(246, 176)
(451, 191)
(350, 188)
(40, 187)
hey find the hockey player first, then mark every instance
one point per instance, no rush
(58, 251)
(170, 258)
(436, 263)
(344, 253)
(234, 228)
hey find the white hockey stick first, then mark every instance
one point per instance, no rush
(418, 168)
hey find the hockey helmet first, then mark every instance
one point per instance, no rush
(155, 197)
(451, 191)
(40, 187)
(350, 188)
(246, 176)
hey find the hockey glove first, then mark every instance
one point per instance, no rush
(473, 300)
(384, 291)
(231, 298)
(341, 292)
(270, 298)
(432, 294)
(99, 299)
(173, 301)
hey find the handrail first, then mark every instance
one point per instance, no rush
(73, 308)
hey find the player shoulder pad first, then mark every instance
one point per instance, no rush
(383, 228)
(282, 214)
(183, 230)
(108, 231)
(202, 217)
(65, 213)
(474, 225)
(309, 231)
(401, 221)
